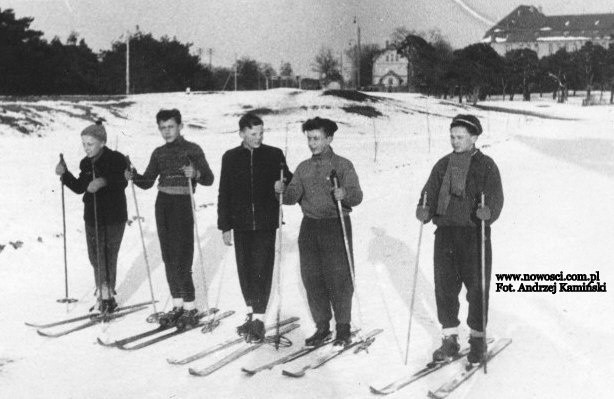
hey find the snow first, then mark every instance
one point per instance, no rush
(557, 176)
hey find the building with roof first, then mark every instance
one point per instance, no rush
(528, 27)
(390, 69)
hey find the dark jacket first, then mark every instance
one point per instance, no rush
(110, 199)
(247, 199)
(483, 177)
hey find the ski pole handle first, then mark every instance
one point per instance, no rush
(424, 198)
(334, 179)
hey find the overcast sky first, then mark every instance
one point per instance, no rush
(276, 30)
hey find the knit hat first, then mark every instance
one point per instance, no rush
(97, 131)
(470, 122)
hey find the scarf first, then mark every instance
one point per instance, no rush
(454, 179)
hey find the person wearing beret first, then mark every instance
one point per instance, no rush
(453, 195)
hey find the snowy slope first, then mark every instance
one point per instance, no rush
(557, 170)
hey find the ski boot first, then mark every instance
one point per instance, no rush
(322, 334)
(169, 319)
(449, 347)
(256, 332)
(188, 319)
(477, 350)
(343, 337)
(108, 306)
(244, 328)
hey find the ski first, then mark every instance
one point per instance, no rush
(148, 333)
(92, 322)
(83, 317)
(304, 351)
(224, 345)
(447, 388)
(428, 369)
(239, 353)
(365, 341)
(171, 333)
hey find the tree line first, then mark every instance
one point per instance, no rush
(478, 71)
(29, 64)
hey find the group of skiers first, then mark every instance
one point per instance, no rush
(254, 178)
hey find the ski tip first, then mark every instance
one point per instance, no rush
(291, 374)
(376, 391)
(193, 372)
(433, 395)
(42, 333)
(172, 361)
(107, 344)
(247, 371)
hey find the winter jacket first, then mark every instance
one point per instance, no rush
(311, 186)
(482, 177)
(247, 199)
(110, 199)
(167, 160)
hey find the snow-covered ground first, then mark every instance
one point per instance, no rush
(557, 166)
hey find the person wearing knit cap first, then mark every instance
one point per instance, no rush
(101, 181)
(324, 262)
(451, 198)
(175, 164)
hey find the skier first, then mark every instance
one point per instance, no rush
(101, 180)
(175, 162)
(456, 184)
(324, 265)
(248, 209)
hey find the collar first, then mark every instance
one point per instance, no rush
(325, 156)
(175, 142)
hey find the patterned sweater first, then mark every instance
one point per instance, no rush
(166, 161)
(311, 186)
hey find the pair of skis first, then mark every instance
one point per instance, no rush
(172, 331)
(226, 344)
(449, 386)
(91, 319)
(359, 345)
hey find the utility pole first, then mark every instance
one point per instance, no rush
(235, 72)
(210, 52)
(127, 63)
(357, 53)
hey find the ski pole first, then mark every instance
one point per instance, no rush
(414, 284)
(66, 298)
(335, 181)
(153, 318)
(483, 265)
(200, 251)
(99, 271)
(280, 221)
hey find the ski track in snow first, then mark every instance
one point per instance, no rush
(558, 184)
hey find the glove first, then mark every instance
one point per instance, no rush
(483, 213)
(423, 213)
(60, 169)
(279, 187)
(96, 184)
(190, 172)
(129, 174)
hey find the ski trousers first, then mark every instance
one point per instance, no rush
(104, 263)
(325, 270)
(255, 254)
(175, 224)
(457, 261)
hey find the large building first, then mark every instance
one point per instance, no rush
(528, 27)
(390, 69)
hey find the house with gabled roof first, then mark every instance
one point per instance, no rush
(390, 69)
(528, 27)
